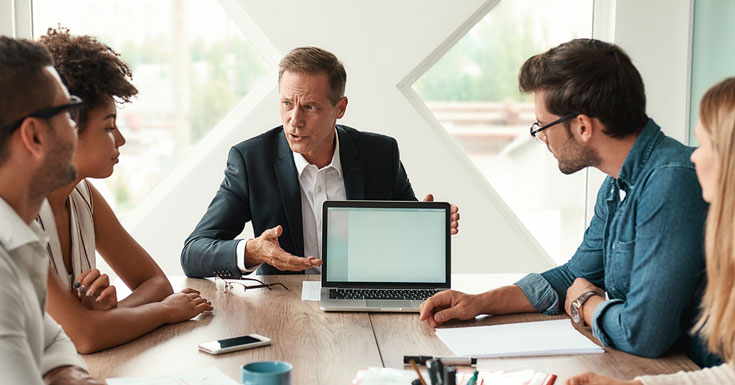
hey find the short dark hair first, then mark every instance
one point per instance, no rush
(592, 77)
(313, 60)
(25, 86)
(89, 69)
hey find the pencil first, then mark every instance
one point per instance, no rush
(414, 367)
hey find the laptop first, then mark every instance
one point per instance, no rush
(384, 256)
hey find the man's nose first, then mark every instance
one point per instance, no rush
(297, 119)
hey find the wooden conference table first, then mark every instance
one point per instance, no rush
(329, 348)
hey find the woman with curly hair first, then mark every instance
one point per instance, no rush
(79, 221)
(715, 164)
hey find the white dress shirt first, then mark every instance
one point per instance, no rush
(31, 342)
(317, 185)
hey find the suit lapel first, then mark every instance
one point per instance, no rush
(353, 169)
(288, 185)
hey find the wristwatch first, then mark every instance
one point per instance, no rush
(575, 309)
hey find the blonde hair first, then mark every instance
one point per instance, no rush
(717, 322)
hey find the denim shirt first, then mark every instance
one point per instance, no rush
(644, 247)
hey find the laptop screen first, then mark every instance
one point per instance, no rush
(386, 242)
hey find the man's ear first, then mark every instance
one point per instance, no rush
(33, 137)
(341, 107)
(583, 128)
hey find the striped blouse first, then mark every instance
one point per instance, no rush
(81, 231)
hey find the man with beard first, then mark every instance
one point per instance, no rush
(634, 278)
(37, 139)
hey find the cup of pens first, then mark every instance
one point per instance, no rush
(439, 374)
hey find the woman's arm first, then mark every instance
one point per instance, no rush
(94, 330)
(126, 257)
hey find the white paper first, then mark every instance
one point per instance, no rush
(311, 291)
(385, 376)
(209, 376)
(518, 339)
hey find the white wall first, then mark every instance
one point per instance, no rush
(656, 35)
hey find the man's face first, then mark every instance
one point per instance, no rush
(307, 114)
(571, 155)
(58, 169)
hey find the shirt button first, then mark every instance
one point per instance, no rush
(319, 189)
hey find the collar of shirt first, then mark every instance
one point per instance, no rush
(14, 232)
(639, 154)
(301, 163)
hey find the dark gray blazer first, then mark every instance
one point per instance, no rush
(261, 185)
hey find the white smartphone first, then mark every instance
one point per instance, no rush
(234, 344)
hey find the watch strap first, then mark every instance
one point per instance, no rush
(579, 302)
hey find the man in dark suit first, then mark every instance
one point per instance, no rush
(279, 179)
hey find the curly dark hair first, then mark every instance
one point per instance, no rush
(89, 69)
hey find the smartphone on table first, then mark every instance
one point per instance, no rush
(234, 344)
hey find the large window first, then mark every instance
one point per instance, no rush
(190, 63)
(473, 91)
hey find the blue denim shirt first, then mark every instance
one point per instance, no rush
(644, 247)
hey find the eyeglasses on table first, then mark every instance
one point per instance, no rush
(229, 286)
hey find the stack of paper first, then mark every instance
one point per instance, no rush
(518, 339)
(209, 376)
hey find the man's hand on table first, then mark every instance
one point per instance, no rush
(454, 223)
(266, 249)
(448, 305)
(69, 375)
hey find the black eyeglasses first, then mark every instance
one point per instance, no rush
(74, 108)
(536, 127)
(227, 286)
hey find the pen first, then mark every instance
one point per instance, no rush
(450, 376)
(473, 380)
(434, 374)
(413, 365)
(454, 361)
(439, 369)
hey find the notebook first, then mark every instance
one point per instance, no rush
(383, 255)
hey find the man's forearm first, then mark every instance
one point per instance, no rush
(505, 300)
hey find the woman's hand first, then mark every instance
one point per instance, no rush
(185, 305)
(94, 291)
(596, 379)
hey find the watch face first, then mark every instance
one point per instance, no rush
(574, 310)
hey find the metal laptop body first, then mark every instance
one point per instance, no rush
(384, 255)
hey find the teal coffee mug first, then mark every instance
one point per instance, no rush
(267, 373)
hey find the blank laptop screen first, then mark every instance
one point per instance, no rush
(369, 244)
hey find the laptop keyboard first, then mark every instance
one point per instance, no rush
(405, 294)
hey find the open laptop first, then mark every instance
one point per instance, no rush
(384, 255)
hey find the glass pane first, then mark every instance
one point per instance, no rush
(473, 91)
(713, 56)
(191, 66)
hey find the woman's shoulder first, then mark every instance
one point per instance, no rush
(83, 194)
